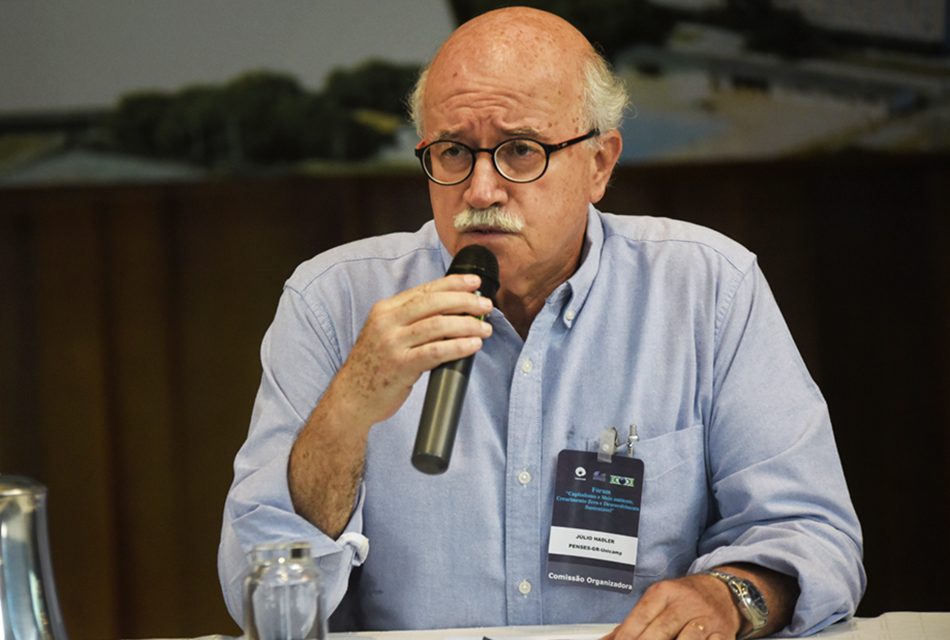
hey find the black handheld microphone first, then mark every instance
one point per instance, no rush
(448, 381)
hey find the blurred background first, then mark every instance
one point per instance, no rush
(165, 164)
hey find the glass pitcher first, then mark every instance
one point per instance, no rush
(29, 609)
(282, 596)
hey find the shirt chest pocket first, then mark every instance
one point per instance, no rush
(675, 501)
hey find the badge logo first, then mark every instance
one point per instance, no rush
(580, 472)
(623, 481)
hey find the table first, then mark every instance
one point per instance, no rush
(897, 625)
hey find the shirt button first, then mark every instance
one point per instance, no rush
(524, 477)
(526, 366)
(570, 314)
(524, 587)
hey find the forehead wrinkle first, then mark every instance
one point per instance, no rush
(489, 93)
(503, 111)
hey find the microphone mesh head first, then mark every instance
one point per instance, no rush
(482, 262)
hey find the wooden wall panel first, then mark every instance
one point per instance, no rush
(131, 319)
(17, 347)
(881, 299)
(137, 276)
(73, 410)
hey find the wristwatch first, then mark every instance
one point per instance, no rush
(749, 600)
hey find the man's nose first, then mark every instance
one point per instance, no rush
(486, 186)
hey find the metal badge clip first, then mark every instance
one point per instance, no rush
(632, 439)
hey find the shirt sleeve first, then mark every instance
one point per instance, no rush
(773, 466)
(300, 356)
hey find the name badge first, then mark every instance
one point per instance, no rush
(595, 521)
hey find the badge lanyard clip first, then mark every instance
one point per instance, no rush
(608, 445)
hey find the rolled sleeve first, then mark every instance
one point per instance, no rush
(248, 522)
(774, 470)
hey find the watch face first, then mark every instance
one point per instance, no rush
(756, 600)
(752, 602)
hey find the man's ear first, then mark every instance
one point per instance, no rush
(604, 160)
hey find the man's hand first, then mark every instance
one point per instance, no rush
(690, 608)
(407, 335)
(404, 336)
(701, 606)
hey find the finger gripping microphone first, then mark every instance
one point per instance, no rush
(448, 381)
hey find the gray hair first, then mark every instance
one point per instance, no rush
(604, 104)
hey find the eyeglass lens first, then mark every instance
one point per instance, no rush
(519, 160)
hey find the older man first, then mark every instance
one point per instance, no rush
(600, 321)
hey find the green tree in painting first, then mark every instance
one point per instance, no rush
(265, 118)
(376, 84)
(257, 111)
(134, 121)
(192, 128)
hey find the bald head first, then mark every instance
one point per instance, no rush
(538, 51)
(530, 39)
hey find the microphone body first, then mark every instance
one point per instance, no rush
(449, 381)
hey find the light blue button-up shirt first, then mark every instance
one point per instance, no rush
(665, 325)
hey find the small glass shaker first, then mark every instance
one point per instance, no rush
(282, 596)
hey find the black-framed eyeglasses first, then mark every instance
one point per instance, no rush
(519, 160)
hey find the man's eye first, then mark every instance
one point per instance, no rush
(521, 148)
(452, 151)
(520, 152)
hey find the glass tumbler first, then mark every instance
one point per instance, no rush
(282, 597)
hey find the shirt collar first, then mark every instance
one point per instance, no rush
(578, 286)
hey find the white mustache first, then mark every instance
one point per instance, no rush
(494, 217)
